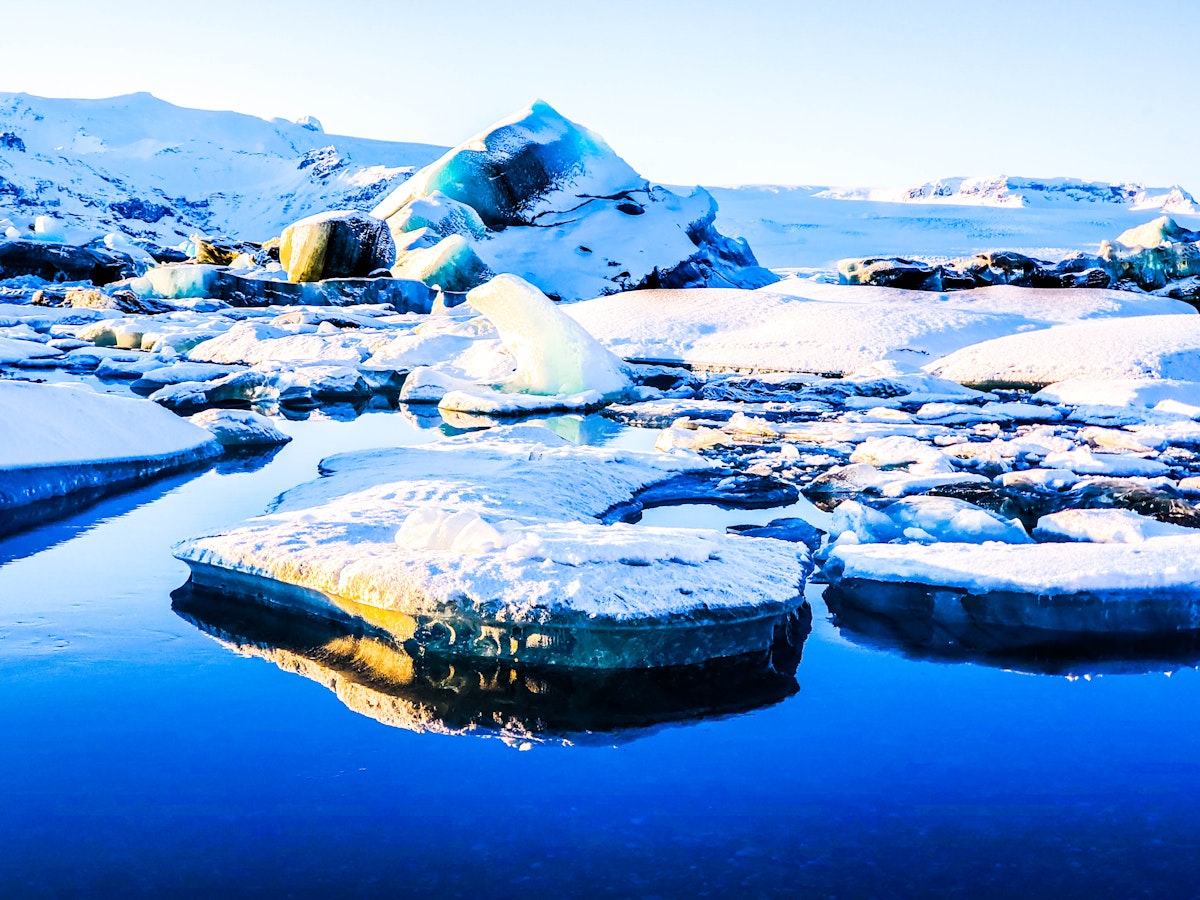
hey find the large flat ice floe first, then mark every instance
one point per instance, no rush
(805, 326)
(1154, 563)
(56, 440)
(1143, 347)
(490, 545)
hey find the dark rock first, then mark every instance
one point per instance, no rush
(893, 271)
(142, 210)
(11, 141)
(64, 262)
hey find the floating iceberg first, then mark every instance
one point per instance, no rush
(494, 545)
(60, 440)
(554, 353)
(541, 197)
(337, 244)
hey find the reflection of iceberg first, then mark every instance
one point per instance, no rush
(396, 684)
(1080, 633)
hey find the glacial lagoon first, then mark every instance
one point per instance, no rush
(159, 740)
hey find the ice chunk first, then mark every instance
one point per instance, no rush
(554, 353)
(336, 244)
(239, 428)
(414, 532)
(1154, 565)
(924, 520)
(1155, 233)
(1083, 461)
(451, 264)
(1105, 526)
(55, 440)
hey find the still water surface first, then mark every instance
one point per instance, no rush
(138, 755)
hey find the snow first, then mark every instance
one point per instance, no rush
(813, 227)
(415, 530)
(1155, 564)
(1084, 462)
(139, 165)
(805, 326)
(1161, 346)
(1105, 526)
(55, 439)
(1136, 392)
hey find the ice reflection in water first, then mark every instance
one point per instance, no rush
(1069, 634)
(398, 685)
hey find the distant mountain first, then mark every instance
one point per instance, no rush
(813, 227)
(162, 172)
(1015, 191)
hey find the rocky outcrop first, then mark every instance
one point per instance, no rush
(56, 262)
(1160, 256)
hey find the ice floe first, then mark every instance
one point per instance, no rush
(59, 439)
(496, 531)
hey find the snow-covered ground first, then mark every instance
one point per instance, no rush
(800, 325)
(814, 227)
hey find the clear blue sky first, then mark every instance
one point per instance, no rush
(879, 93)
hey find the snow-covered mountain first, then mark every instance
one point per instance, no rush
(153, 170)
(1016, 191)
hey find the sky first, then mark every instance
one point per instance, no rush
(847, 93)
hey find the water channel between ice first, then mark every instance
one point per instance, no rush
(149, 754)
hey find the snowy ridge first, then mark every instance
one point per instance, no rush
(158, 171)
(1019, 191)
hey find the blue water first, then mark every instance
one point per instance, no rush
(139, 756)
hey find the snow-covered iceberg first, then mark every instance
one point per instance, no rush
(1147, 586)
(541, 197)
(558, 364)
(57, 440)
(494, 545)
